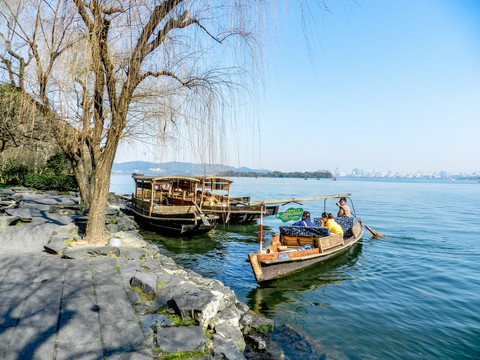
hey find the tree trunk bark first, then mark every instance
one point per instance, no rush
(82, 176)
(100, 185)
(96, 233)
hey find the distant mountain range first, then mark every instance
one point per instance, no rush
(177, 168)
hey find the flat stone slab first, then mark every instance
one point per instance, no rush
(56, 247)
(6, 221)
(180, 339)
(122, 337)
(155, 320)
(24, 214)
(87, 252)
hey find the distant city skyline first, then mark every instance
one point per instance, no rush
(198, 168)
(390, 86)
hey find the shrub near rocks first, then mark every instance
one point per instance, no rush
(51, 182)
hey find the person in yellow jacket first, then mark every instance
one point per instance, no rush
(329, 222)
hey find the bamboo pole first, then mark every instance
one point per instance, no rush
(311, 198)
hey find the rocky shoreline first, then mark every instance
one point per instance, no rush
(180, 312)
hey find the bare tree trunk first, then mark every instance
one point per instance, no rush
(84, 186)
(96, 233)
(100, 185)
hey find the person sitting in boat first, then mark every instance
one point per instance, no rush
(305, 221)
(210, 198)
(329, 222)
(344, 209)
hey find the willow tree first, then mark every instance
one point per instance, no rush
(102, 70)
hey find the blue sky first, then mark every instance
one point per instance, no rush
(386, 85)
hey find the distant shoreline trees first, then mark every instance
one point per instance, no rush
(321, 174)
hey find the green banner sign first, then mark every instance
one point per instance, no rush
(290, 214)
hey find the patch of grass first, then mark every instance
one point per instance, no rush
(70, 242)
(177, 320)
(145, 297)
(265, 328)
(208, 334)
(185, 355)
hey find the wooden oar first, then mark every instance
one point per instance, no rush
(373, 232)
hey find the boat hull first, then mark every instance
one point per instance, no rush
(180, 224)
(273, 264)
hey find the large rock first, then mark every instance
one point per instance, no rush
(229, 316)
(27, 237)
(21, 190)
(181, 339)
(225, 349)
(233, 333)
(88, 252)
(130, 253)
(55, 247)
(200, 304)
(68, 230)
(166, 294)
(150, 324)
(65, 209)
(253, 323)
(146, 282)
(131, 239)
(6, 221)
(24, 214)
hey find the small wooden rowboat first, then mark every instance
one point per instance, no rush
(297, 247)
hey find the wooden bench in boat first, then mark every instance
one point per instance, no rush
(318, 237)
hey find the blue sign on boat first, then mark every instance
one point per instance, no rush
(283, 256)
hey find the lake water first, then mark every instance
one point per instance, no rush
(414, 294)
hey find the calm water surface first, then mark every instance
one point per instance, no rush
(414, 294)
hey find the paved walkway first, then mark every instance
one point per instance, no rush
(53, 308)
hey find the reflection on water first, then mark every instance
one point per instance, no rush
(266, 296)
(195, 245)
(244, 233)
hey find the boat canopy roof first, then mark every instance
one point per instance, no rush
(164, 178)
(219, 179)
(206, 182)
(216, 183)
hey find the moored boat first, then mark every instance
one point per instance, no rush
(152, 209)
(212, 195)
(231, 210)
(297, 247)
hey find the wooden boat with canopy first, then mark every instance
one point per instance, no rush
(297, 247)
(232, 210)
(213, 197)
(152, 207)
